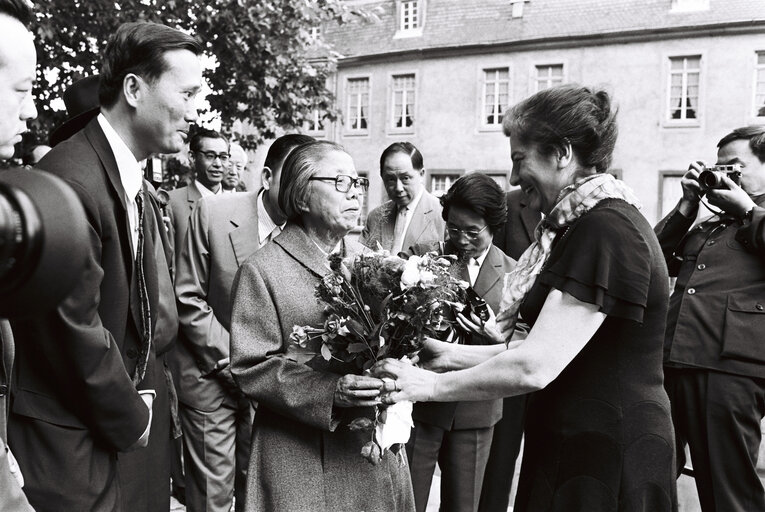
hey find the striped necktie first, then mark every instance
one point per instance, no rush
(143, 297)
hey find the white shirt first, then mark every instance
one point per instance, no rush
(206, 191)
(266, 226)
(474, 265)
(131, 175)
(405, 215)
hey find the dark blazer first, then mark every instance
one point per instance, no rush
(426, 225)
(223, 233)
(518, 232)
(74, 403)
(180, 205)
(720, 325)
(300, 459)
(485, 413)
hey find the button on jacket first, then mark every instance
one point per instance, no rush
(716, 317)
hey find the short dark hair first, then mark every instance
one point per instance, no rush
(479, 193)
(20, 10)
(282, 147)
(195, 144)
(139, 47)
(402, 147)
(755, 134)
(567, 114)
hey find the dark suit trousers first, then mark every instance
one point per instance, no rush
(461, 455)
(718, 416)
(505, 447)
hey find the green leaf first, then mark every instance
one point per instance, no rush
(355, 348)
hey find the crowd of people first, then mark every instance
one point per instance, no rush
(168, 368)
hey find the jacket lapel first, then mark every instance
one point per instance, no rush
(530, 219)
(244, 236)
(388, 224)
(192, 196)
(297, 244)
(490, 273)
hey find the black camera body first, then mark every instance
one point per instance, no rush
(477, 305)
(711, 179)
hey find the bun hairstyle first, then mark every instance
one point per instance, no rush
(580, 116)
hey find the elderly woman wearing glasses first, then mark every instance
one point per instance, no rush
(458, 435)
(594, 289)
(304, 456)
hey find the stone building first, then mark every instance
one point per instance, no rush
(439, 73)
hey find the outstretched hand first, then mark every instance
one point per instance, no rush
(489, 328)
(407, 381)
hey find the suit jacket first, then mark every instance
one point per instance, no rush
(222, 234)
(12, 498)
(518, 232)
(426, 225)
(180, 204)
(74, 403)
(299, 460)
(716, 315)
(479, 414)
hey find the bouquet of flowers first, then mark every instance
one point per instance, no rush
(381, 306)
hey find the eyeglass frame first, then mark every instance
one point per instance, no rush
(223, 157)
(359, 182)
(470, 235)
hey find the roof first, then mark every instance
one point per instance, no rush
(463, 23)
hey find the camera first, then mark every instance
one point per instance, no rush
(477, 305)
(43, 241)
(711, 179)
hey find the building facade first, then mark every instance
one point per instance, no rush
(440, 73)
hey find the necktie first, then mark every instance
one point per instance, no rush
(398, 231)
(143, 297)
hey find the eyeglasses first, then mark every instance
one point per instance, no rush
(470, 234)
(212, 155)
(343, 182)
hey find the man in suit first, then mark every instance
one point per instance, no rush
(513, 239)
(91, 381)
(217, 419)
(17, 74)
(714, 363)
(209, 158)
(413, 215)
(237, 163)
(457, 435)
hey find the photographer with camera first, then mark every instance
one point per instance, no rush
(714, 362)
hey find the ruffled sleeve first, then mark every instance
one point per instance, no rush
(604, 260)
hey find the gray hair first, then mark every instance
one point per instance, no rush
(300, 165)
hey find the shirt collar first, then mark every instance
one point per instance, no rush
(266, 225)
(411, 206)
(480, 259)
(131, 175)
(206, 191)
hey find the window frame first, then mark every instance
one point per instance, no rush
(347, 129)
(673, 173)
(667, 121)
(401, 31)
(390, 127)
(433, 173)
(757, 69)
(318, 132)
(534, 79)
(483, 124)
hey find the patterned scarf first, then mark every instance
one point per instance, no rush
(573, 201)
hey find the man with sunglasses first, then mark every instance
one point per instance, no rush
(209, 157)
(223, 231)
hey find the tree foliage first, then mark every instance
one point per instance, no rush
(271, 73)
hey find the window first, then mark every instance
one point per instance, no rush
(363, 202)
(500, 179)
(517, 8)
(549, 76)
(689, 5)
(409, 15)
(759, 85)
(402, 102)
(670, 191)
(496, 90)
(316, 122)
(440, 183)
(315, 33)
(684, 78)
(358, 104)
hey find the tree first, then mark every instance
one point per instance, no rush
(271, 72)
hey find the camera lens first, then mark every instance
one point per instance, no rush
(710, 180)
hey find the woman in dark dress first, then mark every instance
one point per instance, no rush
(594, 289)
